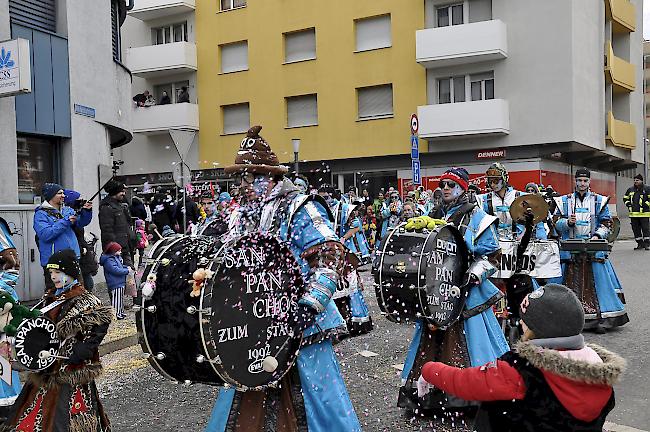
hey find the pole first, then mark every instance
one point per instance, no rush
(184, 195)
(296, 163)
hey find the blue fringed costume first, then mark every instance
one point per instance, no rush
(476, 338)
(312, 396)
(590, 276)
(8, 281)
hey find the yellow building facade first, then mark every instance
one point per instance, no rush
(334, 76)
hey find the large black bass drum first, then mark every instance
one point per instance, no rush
(237, 328)
(420, 275)
(168, 334)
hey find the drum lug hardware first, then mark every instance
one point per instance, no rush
(136, 308)
(193, 309)
(203, 261)
(415, 254)
(412, 287)
(391, 253)
(151, 309)
(160, 356)
(165, 262)
(187, 383)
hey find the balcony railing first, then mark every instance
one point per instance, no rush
(620, 133)
(147, 10)
(461, 44)
(485, 117)
(160, 60)
(618, 72)
(159, 119)
(622, 13)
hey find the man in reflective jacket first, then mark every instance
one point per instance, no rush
(637, 201)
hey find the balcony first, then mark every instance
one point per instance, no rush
(622, 13)
(486, 117)
(161, 60)
(158, 119)
(147, 10)
(461, 44)
(619, 73)
(620, 133)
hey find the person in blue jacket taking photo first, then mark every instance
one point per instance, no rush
(54, 225)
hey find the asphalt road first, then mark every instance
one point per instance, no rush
(137, 399)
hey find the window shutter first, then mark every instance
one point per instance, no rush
(375, 101)
(302, 111)
(300, 45)
(234, 57)
(236, 118)
(115, 31)
(40, 15)
(373, 33)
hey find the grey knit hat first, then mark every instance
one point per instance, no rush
(553, 311)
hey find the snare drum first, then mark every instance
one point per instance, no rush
(421, 275)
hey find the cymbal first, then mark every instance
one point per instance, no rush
(534, 202)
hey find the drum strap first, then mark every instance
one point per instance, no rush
(52, 305)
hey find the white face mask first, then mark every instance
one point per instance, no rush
(496, 187)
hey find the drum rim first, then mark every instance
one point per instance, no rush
(142, 330)
(57, 336)
(381, 269)
(228, 380)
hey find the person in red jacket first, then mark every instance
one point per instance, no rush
(551, 381)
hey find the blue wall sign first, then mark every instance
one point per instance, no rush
(84, 110)
(415, 166)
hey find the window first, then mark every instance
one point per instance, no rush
(482, 86)
(170, 33)
(451, 89)
(232, 4)
(234, 57)
(40, 15)
(302, 111)
(449, 15)
(373, 33)
(115, 31)
(172, 89)
(236, 118)
(375, 102)
(37, 163)
(300, 45)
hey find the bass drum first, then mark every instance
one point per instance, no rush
(248, 312)
(421, 275)
(166, 328)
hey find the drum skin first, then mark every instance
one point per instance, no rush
(170, 330)
(33, 336)
(417, 271)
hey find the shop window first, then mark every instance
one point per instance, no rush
(37, 164)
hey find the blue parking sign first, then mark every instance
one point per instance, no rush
(415, 166)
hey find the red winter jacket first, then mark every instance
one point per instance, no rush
(581, 380)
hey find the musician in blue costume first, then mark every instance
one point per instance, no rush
(584, 215)
(349, 299)
(312, 396)
(476, 338)
(9, 272)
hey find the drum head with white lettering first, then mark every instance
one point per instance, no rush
(255, 293)
(447, 261)
(33, 336)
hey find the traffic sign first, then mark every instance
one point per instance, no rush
(415, 166)
(415, 142)
(415, 124)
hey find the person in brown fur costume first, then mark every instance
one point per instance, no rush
(64, 396)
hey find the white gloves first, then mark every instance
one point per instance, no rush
(423, 387)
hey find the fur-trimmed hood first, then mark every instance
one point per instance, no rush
(606, 373)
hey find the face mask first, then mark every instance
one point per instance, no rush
(457, 191)
(497, 187)
(261, 185)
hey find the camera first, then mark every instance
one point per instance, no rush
(78, 204)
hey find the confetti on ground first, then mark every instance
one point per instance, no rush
(366, 353)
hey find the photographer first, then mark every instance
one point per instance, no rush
(88, 258)
(54, 225)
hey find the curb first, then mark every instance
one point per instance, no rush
(612, 427)
(118, 344)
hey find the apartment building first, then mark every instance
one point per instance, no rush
(646, 95)
(542, 86)
(160, 50)
(75, 116)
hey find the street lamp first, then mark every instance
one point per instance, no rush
(296, 149)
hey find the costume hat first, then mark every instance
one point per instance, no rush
(255, 156)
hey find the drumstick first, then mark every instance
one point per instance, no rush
(270, 363)
(46, 354)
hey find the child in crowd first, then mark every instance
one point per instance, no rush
(115, 273)
(551, 381)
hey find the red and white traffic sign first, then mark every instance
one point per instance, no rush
(415, 124)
